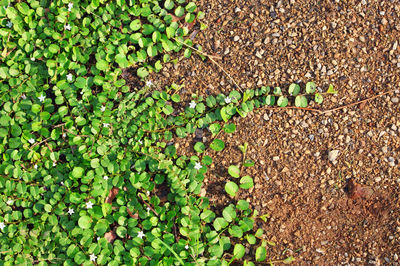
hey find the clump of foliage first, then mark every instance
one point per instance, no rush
(86, 160)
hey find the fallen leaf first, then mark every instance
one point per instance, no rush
(362, 105)
(356, 191)
(110, 236)
(134, 216)
(112, 194)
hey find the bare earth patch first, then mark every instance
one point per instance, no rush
(314, 214)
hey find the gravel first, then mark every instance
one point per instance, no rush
(333, 155)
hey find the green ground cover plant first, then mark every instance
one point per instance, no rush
(84, 156)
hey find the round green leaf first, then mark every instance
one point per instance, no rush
(102, 65)
(246, 182)
(310, 87)
(217, 145)
(282, 101)
(77, 172)
(199, 147)
(231, 188)
(234, 171)
(318, 98)
(239, 251)
(301, 101)
(230, 128)
(294, 89)
(84, 222)
(261, 253)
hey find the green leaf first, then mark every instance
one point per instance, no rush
(282, 101)
(142, 72)
(239, 251)
(310, 87)
(249, 163)
(77, 172)
(246, 182)
(215, 128)
(169, 4)
(236, 231)
(318, 98)
(84, 222)
(294, 89)
(288, 260)
(135, 25)
(208, 216)
(121, 60)
(199, 147)
(225, 116)
(234, 171)
(207, 160)
(261, 253)
(217, 145)
(176, 98)
(230, 128)
(301, 101)
(220, 223)
(229, 213)
(231, 188)
(331, 90)
(277, 91)
(102, 65)
(242, 205)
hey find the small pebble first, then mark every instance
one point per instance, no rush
(384, 149)
(395, 99)
(311, 137)
(236, 38)
(275, 158)
(319, 250)
(332, 155)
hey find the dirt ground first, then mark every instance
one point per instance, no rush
(304, 160)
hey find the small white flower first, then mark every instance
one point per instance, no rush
(23, 96)
(93, 257)
(31, 141)
(103, 108)
(140, 234)
(69, 77)
(105, 177)
(10, 202)
(35, 166)
(71, 211)
(140, 141)
(106, 124)
(54, 163)
(192, 104)
(187, 247)
(98, 238)
(62, 183)
(33, 59)
(9, 24)
(64, 135)
(148, 210)
(148, 193)
(228, 100)
(70, 6)
(89, 205)
(2, 226)
(149, 83)
(67, 27)
(41, 98)
(197, 166)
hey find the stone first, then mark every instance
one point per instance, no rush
(332, 155)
